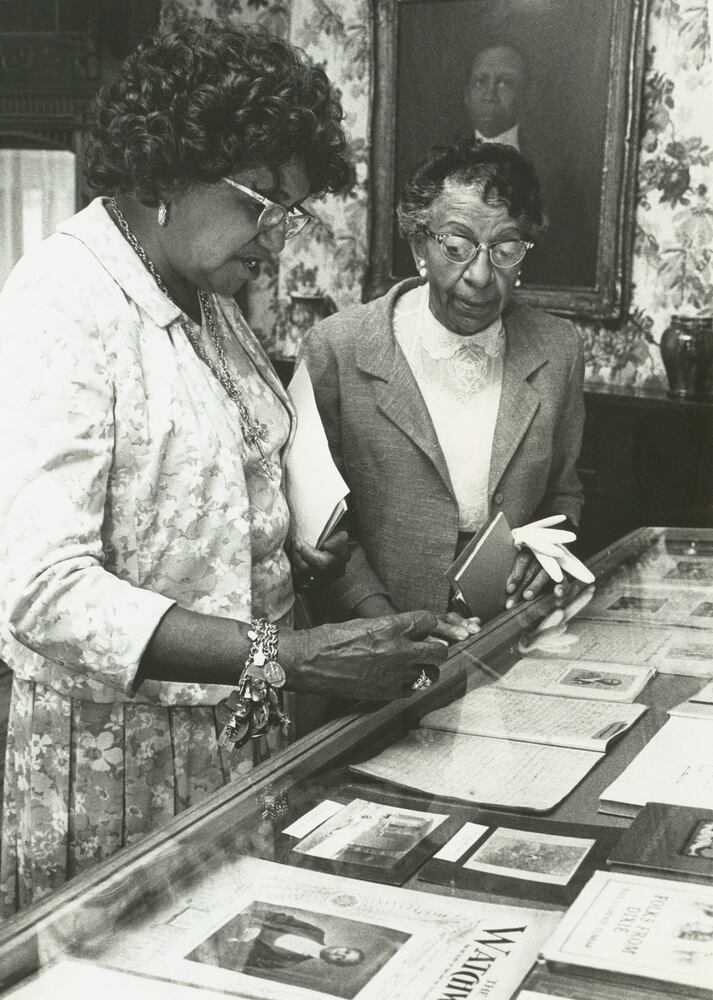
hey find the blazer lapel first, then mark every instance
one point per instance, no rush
(397, 394)
(518, 400)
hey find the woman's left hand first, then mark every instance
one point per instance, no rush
(313, 567)
(527, 580)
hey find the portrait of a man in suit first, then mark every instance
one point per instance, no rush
(499, 103)
(317, 951)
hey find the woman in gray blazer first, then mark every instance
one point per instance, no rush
(444, 401)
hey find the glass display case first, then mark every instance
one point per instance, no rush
(424, 848)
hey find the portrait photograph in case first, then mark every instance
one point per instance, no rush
(367, 839)
(538, 860)
(668, 840)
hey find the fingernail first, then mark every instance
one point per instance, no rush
(510, 588)
(509, 603)
(527, 594)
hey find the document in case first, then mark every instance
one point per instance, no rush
(577, 679)
(675, 767)
(626, 602)
(639, 929)
(535, 718)
(671, 651)
(263, 930)
(506, 774)
(315, 489)
(521, 856)
(698, 706)
(479, 574)
(676, 840)
(372, 840)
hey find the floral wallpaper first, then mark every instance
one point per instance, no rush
(673, 253)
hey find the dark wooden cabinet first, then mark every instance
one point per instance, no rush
(646, 459)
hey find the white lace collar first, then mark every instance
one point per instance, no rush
(440, 342)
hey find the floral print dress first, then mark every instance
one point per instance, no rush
(127, 486)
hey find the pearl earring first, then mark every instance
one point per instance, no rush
(422, 268)
(517, 282)
(162, 213)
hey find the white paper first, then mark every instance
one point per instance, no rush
(413, 943)
(705, 695)
(478, 769)
(654, 928)
(314, 486)
(72, 980)
(535, 718)
(589, 679)
(311, 820)
(459, 843)
(626, 602)
(675, 767)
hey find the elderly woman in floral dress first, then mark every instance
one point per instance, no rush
(143, 525)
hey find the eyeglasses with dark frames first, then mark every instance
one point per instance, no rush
(272, 215)
(461, 249)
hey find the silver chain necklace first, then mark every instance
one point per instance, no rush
(254, 432)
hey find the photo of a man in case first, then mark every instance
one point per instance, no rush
(316, 951)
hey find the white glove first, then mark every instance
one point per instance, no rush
(547, 544)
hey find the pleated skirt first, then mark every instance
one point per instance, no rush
(83, 779)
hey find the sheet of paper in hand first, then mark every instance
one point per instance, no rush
(315, 489)
(479, 574)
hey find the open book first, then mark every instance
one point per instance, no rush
(506, 774)
(578, 679)
(535, 718)
(315, 489)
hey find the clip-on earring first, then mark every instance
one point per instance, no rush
(422, 268)
(162, 213)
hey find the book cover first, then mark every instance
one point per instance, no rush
(637, 928)
(480, 572)
(257, 929)
(675, 840)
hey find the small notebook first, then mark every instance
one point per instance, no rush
(479, 574)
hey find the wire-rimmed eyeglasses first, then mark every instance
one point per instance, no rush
(272, 215)
(461, 249)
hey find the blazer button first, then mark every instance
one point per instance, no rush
(498, 499)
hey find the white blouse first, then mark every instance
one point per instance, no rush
(460, 379)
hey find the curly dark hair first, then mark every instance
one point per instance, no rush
(201, 101)
(500, 174)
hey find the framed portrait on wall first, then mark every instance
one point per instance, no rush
(561, 81)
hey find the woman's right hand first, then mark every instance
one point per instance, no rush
(376, 659)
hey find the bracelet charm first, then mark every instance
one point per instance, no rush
(255, 705)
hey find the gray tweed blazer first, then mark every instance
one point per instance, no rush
(404, 511)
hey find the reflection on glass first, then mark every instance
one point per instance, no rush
(37, 192)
